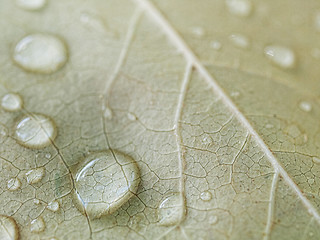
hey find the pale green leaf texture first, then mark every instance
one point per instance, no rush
(234, 136)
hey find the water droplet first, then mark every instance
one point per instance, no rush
(8, 228)
(11, 102)
(216, 45)
(104, 182)
(206, 196)
(241, 8)
(207, 141)
(305, 106)
(31, 5)
(43, 53)
(239, 40)
(316, 160)
(48, 155)
(171, 210)
(131, 117)
(213, 220)
(107, 113)
(198, 31)
(36, 201)
(281, 56)
(53, 206)
(35, 175)
(13, 184)
(35, 131)
(293, 131)
(37, 225)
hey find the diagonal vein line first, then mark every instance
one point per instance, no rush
(190, 56)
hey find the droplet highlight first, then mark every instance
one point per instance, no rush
(11, 102)
(8, 228)
(35, 131)
(281, 56)
(42, 53)
(171, 210)
(35, 175)
(53, 206)
(239, 40)
(240, 8)
(37, 225)
(14, 184)
(31, 5)
(104, 182)
(206, 196)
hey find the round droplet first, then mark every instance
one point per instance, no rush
(305, 106)
(213, 220)
(216, 45)
(241, 8)
(48, 155)
(37, 225)
(281, 56)
(11, 102)
(131, 117)
(107, 113)
(239, 40)
(36, 201)
(171, 210)
(53, 206)
(316, 160)
(35, 175)
(206, 196)
(31, 5)
(36, 131)
(198, 31)
(104, 182)
(13, 184)
(43, 53)
(8, 228)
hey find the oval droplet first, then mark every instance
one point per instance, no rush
(216, 45)
(305, 106)
(35, 175)
(171, 210)
(104, 182)
(14, 184)
(107, 113)
(53, 206)
(240, 8)
(239, 40)
(206, 196)
(8, 228)
(42, 53)
(36, 131)
(281, 56)
(11, 102)
(31, 5)
(37, 225)
(131, 117)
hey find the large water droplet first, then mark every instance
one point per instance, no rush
(171, 210)
(8, 228)
(43, 53)
(104, 182)
(35, 175)
(13, 184)
(11, 102)
(241, 8)
(53, 206)
(206, 196)
(35, 131)
(281, 56)
(31, 4)
(37, 225)
(239, 40)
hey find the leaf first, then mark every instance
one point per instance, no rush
(226, 141)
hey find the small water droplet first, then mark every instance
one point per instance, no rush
(104, 182)
(43, 53)
(171, 210)
(305, 106)
(53, 206)
(35, 175)
(281, 56)
(14, 184)
(216, 45)
(8, 228)
(107, 113)
(206, 196)
(31, 5)
(198, 31)
(36, 201)
(207, 141)
(213, 220)
(131, 117)
(293, 131)
(316, 160)
(37, 225)
(240, 40)
(35, 131)
(48, 155)
(241, 8)
(11, 102)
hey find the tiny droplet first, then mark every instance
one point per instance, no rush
(206, 196)
(53, 206)
(239, 40)
(240, 8)
(281, 56)
(11, 102)
(37, 225)
(14, 184)
(131, 117)
(216, 45)
(171, 210)
(35, 175)
(305, 106)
